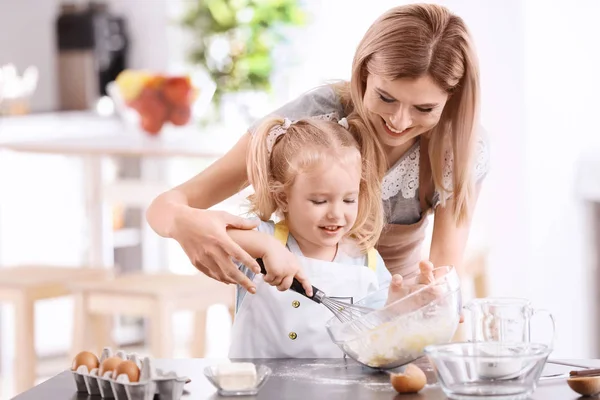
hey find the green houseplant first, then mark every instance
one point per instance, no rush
(233, 40)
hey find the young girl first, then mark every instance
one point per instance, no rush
(310, 173)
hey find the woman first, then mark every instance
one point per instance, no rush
(415, 90)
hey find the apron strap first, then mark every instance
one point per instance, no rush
(281, 232)
(372, 259)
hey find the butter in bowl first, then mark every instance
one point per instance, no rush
(237, 378)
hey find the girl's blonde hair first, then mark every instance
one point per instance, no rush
(408, 42)
(306, 144)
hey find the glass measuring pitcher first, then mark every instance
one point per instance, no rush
(506, 320)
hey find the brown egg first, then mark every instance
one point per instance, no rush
(109, 365)
(128, 368)
(411, 381)
(585, 386)
(85, 358)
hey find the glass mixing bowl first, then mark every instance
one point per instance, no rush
(396, 334)
(498, 370)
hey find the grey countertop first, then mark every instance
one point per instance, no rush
(330, 379)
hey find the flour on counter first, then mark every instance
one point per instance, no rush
(335, 374)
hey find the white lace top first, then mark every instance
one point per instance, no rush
(401, 183)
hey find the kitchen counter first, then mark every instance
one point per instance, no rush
(330, 379)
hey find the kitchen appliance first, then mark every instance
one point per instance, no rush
(92, 51)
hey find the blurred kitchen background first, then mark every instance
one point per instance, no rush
(76, 171)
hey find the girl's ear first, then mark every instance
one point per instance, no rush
(281, 197)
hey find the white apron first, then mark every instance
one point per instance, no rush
(274, 324)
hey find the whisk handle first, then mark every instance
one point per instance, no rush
(296, 285)
(298, 288)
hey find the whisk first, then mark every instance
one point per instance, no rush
(343, 311)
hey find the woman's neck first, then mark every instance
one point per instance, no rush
(394, 153)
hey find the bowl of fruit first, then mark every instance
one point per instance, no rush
(152, 101)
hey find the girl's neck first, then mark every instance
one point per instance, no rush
(312, 250)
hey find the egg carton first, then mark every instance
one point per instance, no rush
(152, 381)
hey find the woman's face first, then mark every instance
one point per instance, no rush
(403, 109)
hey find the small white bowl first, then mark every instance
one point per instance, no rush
(262, 374)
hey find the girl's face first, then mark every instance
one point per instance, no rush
(402, 109)
(322, 204)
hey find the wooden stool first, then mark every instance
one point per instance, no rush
(154, 296)
(22, 286)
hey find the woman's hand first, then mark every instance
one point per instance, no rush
(203, 237)
(427, 275)
(399, 288)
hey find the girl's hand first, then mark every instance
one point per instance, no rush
(282, 267)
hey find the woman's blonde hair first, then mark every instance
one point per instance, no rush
(408, 42)
(306, 144)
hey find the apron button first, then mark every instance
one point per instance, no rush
(295, 304)
(292, 335)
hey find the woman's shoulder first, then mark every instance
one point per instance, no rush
(317, 101)
(320, 100)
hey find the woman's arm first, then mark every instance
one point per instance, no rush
(221, 180)
(180, 214)
(448, 241)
